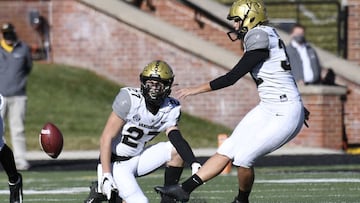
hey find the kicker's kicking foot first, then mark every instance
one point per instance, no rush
(175, 191)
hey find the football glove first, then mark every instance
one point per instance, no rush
(195, 167)
(107, 185)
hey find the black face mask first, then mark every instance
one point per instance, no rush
(152, 104)
(300, 39)
(237, 34)
(11, 36)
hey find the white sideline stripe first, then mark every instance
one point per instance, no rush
(311, 180)
(73, 190)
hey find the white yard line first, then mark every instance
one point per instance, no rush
(312, 180)
(73, 190)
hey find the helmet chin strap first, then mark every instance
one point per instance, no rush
(240, 33)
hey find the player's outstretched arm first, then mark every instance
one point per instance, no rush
(183, 93)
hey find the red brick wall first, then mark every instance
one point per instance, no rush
(17, 12)
(84, 37)
(354, 31)
(173, 12)
(324, 124)
(352, 110)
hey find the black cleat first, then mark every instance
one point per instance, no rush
(175, 191)
(94, 195)
(115, 197)
(16, 191)
(167, 199)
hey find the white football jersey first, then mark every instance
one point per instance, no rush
(274, 79)
(141, 125)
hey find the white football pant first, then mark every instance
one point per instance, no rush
(264, 129)
(125, 172)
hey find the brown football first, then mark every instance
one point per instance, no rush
(51, 140)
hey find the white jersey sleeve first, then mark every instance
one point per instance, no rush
(256, 39)
(122, 103)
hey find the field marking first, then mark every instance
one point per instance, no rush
(312, 180)
(73, 190)
(76, 190)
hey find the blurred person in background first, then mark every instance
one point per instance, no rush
(15, 66)
(305, 64)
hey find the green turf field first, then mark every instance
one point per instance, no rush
(328, 184)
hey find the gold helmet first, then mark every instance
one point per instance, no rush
(156, 80)
(250, 13)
